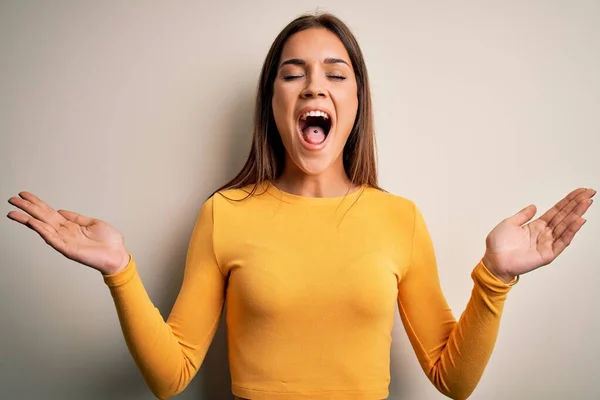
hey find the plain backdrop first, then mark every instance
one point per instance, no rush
(135, 111)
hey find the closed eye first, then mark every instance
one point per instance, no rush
(291, 77)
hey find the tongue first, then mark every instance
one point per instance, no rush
(314, 135)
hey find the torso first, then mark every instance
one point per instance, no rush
(340, 255)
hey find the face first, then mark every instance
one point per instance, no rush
(315, 100)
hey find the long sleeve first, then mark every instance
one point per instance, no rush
(170, 353)
(452, 354)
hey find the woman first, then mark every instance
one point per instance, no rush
(309, 254)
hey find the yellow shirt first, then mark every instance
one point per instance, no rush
(311, 286)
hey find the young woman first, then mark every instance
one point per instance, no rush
(309, 253)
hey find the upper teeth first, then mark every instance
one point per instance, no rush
(317, 113)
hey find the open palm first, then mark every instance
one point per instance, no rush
(89, 241)
(515, 247)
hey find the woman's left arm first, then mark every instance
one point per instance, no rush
(454, 354)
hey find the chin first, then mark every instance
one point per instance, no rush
(314, 167)
(312, 164)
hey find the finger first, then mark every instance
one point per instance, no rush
(18, 216)
(548, 215)
(524, 215)
(76, 218)
(27, 220)
(33, 199)
(40, 211)
(48, 234)
(565, 239)
(552, 212)
(583, 197)
(31, 223)
(573, 216)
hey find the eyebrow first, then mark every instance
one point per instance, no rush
(301, 62)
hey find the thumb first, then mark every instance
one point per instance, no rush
(524, 215)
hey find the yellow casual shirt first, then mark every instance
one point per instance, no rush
(311, 286)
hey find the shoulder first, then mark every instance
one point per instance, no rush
(394, 214)
(389, 209)
(391, 203)
(237, 200)
(402, 209)
(236, 196)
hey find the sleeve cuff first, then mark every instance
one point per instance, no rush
(123, 276)
(488, 281)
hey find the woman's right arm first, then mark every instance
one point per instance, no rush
(169, 353)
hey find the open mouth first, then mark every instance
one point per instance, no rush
(315, 126)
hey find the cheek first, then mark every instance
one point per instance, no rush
(280, 108)
(278, 112)
(275, 103)
(347, 105)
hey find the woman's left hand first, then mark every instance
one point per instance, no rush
(515, 247)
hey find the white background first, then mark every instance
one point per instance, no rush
(134, 112)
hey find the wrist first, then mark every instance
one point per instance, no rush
(491, 266)
(118, 263)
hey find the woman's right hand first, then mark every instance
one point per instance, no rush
(89, 241)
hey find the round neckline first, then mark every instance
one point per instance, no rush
(288, 197)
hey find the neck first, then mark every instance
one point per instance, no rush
(333, 182)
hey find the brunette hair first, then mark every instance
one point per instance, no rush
(267, 154)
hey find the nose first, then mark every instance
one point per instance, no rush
(314, 89)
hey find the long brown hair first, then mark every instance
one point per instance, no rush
(266, 159)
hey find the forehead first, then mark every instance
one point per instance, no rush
(314, 44)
